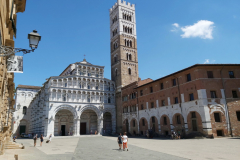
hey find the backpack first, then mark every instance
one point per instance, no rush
(35, 138)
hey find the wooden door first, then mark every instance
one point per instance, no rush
(83, 128)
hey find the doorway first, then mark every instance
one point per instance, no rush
(83, 128)
(194, 125)
(22, 129)
(63, 129)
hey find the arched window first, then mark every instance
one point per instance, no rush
(115, 59)
(88, 99)
(127, 17)
(65, 84)
(88, 87)
(96, 87)
(100, 99)
(24, 110)
(127, 56)
(116, 72)
(131, 30)
(129, 71)
(125, 42)
(109, 100)
(130, 57)
(97, 75)
(130, 43)
(89, 74)
(64, 98)
(130, 18)
(128, 30)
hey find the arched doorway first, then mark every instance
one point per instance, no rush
(154, 124)
(165, 125)
(88, 122)
(63, 124)
(23, 127)
(134, 127)
(194, 121)
(107, 123)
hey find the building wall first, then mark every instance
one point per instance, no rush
(7, 31)
(24, 96)
(203, 104)
(235, 122)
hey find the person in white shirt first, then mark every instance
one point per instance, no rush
(125, 141)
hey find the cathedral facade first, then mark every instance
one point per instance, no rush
(78, 101)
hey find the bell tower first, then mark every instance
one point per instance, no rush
(124, 58)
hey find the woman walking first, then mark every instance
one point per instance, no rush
(50, 138)
(35, 140)
(41, 140)
(125, 141)
(119, 140)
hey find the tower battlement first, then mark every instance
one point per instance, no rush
(124, 4)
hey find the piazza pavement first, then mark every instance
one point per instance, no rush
(93, 147)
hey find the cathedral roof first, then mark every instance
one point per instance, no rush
(28, 87)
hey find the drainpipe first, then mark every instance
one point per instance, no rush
(227, 113)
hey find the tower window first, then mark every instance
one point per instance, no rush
(109, 100)
(231, 74)
(130, 57)
(115, 59)
(141, 92)
(129, 71)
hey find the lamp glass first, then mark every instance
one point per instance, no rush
(33, 41)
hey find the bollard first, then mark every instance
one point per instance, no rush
(16, 157)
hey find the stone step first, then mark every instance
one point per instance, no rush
(12, 145)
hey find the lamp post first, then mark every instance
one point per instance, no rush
(34, 39)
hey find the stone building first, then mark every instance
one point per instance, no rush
(124, 59)
(203, 98)
(24, 96)
(78, 101)
(8, 19)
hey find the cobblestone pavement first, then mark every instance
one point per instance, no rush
(98, 147)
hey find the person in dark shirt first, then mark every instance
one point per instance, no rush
(119, 140)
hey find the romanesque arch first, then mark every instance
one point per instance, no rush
(165, 125)
(65, 107)
(143, 126)
(178, 122)
(133, 126)
(154, 124)
(194, 121)
(91, 107)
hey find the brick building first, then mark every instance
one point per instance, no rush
(203, 98)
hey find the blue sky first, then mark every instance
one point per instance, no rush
(171, 35)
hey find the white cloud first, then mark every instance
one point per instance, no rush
(175, 27)
(175, 24)
(202, 29)
(207, 61)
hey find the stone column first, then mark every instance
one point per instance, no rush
(77, 70)
(49, 127)
(100, 125)
(77, 127)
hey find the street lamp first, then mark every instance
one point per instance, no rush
(34, 39)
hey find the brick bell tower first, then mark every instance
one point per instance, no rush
(124, 59)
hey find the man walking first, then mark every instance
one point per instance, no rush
(35, 140)
(125, 141)
(119, 140)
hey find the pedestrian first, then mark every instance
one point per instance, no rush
(179, 134)
(68, 133)
(125, 141)
(14, 138)
(35, 140)
(119, 140)
(50, 138)
(41, 140)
